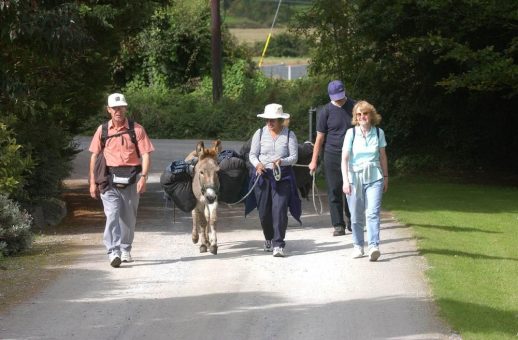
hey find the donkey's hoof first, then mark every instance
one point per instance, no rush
(213, 249)
(203, 248)
(195, 239)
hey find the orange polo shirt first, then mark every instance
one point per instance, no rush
(120, 150)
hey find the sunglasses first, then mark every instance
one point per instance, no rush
(362, 113)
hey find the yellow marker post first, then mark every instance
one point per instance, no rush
(269, 34)
(264, 49)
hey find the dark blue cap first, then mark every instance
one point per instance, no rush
(336, 90)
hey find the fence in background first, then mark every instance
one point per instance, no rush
(287, 72)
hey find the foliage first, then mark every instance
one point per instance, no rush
(329, 29)
(283, 45)
(260, 12)
(468, 235)
(435, 70)
(171, 114)
(175, 48)
(15, 227)
(14, 164)
(55, 66)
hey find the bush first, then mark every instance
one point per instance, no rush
(15, 227)
(13, 164)
(172, 114)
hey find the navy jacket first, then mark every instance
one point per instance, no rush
(287, 174)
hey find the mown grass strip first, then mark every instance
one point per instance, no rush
(469, 235)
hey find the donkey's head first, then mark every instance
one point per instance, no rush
(207, 170)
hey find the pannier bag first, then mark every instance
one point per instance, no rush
(233, 176)
(176, 180)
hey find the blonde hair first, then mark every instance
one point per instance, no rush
(365, 106)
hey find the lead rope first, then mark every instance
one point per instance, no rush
(314, 189)
(247, 194)
(276, 174)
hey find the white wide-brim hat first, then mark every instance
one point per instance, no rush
(273, 111)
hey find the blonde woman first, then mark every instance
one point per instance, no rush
(365, 177)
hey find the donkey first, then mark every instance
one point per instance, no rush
(205, 186)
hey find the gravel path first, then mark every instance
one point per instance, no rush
(171, 291)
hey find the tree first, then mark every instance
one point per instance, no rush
(434, 69)
(174, 49)
(55, 67)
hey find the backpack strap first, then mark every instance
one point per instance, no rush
(130, 131)
(104, 134)
(354, 133)
(261, 134)
(133, 135)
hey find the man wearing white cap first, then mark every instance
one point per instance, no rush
(125, 148)
(273, 151)
(332, 124)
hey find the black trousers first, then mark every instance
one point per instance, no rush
(272, 206)
(336, 197)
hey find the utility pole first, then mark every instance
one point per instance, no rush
(217, 81)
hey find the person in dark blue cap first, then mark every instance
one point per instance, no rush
(333, 122)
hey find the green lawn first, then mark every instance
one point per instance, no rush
(469, 235)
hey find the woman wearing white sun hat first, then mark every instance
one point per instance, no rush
(274, 148)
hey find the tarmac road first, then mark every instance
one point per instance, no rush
(171, 291)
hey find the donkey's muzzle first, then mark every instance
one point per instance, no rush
(210, 193)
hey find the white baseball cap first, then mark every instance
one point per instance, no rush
(116, 99)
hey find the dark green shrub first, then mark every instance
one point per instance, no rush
(15, 227)
(172, 114)
(14, 165)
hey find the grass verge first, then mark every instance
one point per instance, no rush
(468, 234)
(52, 251)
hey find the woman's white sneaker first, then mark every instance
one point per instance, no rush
(278, 252)
(357, 252)
(374, 253)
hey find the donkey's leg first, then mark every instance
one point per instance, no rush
(202, 230)
(212, 216)
(195, 236)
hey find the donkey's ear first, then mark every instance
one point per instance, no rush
(216, 145)
(200, 148)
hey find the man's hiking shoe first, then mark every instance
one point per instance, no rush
(115, 260)
(339, 231)
(126, 256)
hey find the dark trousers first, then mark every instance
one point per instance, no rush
(273, 210)
(335, 195)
